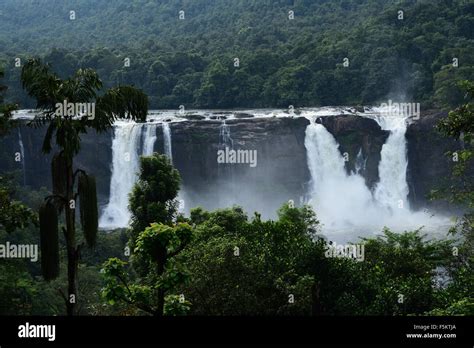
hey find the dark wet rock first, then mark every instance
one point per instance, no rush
(193, 117)
(429, 167)
(282, 171)
(356, 133)
(217, 117)
(243, 115)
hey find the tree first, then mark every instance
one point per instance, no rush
(252, 267)
(158, 246)
(13, 214)
(155, 240)
(153, 196)
(460, 125)
(66, 127)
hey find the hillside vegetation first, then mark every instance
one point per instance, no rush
(281, 61)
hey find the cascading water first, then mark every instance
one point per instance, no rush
(360, 162)
(340, 200)
(343, 202)
(22, 154)
(168, 149)
(392, 189)
(150, 139)
(125, 166)
(224, 136)
(167, 141)
(225, 170)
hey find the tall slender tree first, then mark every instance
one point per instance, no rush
(59, 103)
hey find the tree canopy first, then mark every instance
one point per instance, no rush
(252, 53)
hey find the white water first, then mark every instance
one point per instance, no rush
(168, 150)
(344, 204)
(392, 189)
(125, 166)
(340, 200)
(167, 141)
(224, 136)
(150, 139)
(225, 172)
(22, 153)
(360, 162)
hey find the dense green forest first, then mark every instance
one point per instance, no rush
(223, 262)
(249, 53)
(226, 262)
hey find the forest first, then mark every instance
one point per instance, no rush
(222, 262)
(227, 261)
(247, 53)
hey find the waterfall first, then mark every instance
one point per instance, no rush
(343, 203)
(339, 199)
(167, 141)
(125, 166)
(225, 171)
(392, 189)
(224, 136)
(150, 139)
(22, 153)
(360, 163)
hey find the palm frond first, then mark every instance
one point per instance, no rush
(40, 83)
(82, 87)
(120, 102)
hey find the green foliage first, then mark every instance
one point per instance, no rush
(157, 245)
(48, 218)
(252, 267)
(462, 307)
(461, 120)
(17, 289)
(230, 264)
(155, 240)
(84, 86)
(242, 267)
(153, 196)
(460, 125)
(176, 305)
(403, 264)
(162, 239)
(281, 61)
(13, 214)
